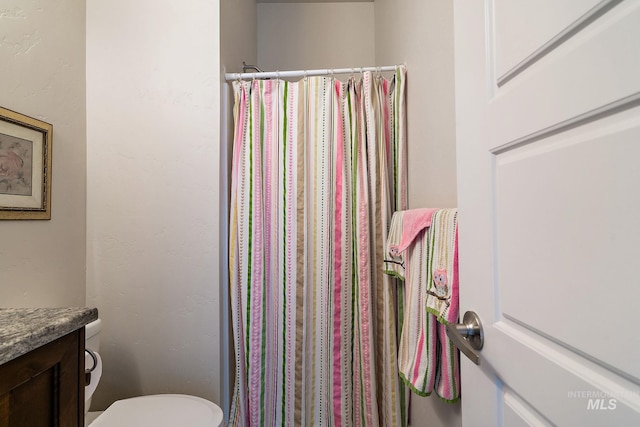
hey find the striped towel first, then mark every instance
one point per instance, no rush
(427, 359)
(402, 233)
(442, 289)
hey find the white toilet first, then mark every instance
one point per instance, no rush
(160, 410)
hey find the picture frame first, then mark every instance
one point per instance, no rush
(25, 166)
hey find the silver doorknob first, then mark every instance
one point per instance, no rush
(468, 336)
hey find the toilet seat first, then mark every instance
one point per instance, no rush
(161, 410)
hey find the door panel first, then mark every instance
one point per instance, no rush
(532, 25)
(595, 71)
(562, 385)
(583, 182)
(549, 209)
(518, 413)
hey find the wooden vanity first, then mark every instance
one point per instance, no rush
(42, 366)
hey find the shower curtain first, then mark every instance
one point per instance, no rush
(318, 169)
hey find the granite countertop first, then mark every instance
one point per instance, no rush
(25, 329)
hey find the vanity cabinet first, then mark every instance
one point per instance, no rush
(45, 387)
(42, 366)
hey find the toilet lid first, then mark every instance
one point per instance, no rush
(161, 410)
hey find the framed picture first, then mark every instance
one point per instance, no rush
(25, 166)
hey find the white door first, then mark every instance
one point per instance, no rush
(548, 140)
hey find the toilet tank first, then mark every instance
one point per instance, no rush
(92, 335)
(92, 342)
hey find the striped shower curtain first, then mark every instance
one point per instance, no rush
(318, 169)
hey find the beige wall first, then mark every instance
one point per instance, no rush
(238, 34)
(42, 75)
(315, 35)
(153, 120)
(420, 34)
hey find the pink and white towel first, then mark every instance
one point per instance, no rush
(413, 222)
(442, 289)
(422, 251)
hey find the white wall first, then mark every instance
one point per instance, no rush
(42, 75)
(315, 35)
(420, 34)
(153, 158)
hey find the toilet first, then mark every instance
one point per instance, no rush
(160, 410)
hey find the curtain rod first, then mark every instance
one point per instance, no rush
(304, 73)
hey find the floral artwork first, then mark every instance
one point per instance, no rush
(16, 161)
(25, 166)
